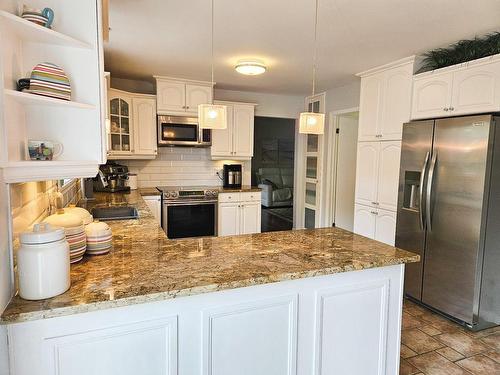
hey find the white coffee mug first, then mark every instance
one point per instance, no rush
(44, 149)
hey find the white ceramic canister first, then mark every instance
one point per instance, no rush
(82, 213)
(132, 181)
(43, 263)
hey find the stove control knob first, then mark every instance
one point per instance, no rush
(174, 194)
(167, 194)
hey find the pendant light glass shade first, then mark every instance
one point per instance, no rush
(312, 123)
(212, 116)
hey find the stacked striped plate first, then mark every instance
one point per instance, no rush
(99, 238)
(50, 80)
(35, 17)
(77, 243)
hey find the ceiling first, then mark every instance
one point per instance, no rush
(172, 37)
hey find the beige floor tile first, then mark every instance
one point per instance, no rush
(484, 332)
(406, 352)
(463, 343)
(480, 365)
(440, 323)
(409, 321)
(430, 330)
(494, 356)
(434, 364)
(493, 341)
(450, 354)
(406, 369)
(419, 342)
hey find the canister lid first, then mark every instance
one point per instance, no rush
(42, 233)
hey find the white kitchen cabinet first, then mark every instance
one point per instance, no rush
(78, 124)
(132, 133)
(375, 223)
(181, 97)
(377, 174)
(432, 95)
(385, 101)
(239, 213)
(463, 89)
(236, 141)
(144, 125)
(154, 204)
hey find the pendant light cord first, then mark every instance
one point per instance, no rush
(315, 48)
(212, 47)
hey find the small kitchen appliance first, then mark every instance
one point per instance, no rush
(232, 176)
(111, 178)
(189, 211)
(182, 131)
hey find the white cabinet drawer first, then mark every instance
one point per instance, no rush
(253, 196)
(229, 197)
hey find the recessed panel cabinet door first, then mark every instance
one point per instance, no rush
(222, 139)
(171, 96)
(432, 96)
(476, 89)
(250, 218)
(397, 102)
(385, 227)
(243, 130)
(144, 126)
(370, 107)
(196, 95)
(367, 172)
(364, 221)
(388, 175)
(228, 219)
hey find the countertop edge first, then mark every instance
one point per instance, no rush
(163, 296)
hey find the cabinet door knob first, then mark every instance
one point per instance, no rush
(452, 109)
(446, 109)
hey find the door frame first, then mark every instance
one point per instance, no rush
(331, 159)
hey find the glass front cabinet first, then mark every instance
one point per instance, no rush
(120, 135)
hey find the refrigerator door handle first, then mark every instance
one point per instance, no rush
(421, 191)
(430, 180)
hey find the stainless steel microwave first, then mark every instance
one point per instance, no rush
(182, 131)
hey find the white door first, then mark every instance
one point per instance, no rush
(229, 219)
(243, 124)
(196, 95)
(432, 96)
(171, 96)
(388, 175)
(367, 173)
(396, 102)
(121, 127)
(370, 107)
(144, 110)
(222, 139)
(476, 89)
(385, 227)
(364, 220)
(250, 218)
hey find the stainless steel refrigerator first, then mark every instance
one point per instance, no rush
(449, 213)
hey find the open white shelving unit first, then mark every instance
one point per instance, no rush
(75, 44)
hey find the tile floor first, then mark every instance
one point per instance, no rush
(433, 345)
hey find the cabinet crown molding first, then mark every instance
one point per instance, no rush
(184, 80)
(228, 102)
(393, 64)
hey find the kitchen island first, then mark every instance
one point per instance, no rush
(296, 302)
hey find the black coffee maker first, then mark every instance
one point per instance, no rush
(232, 176)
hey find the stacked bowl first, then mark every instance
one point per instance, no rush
(99, 238)
(74, 230)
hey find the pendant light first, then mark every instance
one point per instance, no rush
(311, 122)
(212, 116)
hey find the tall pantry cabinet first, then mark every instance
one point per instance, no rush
(385, 104)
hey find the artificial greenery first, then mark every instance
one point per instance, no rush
(461, 51)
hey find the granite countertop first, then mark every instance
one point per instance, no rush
(149, 191)
(145, 266)
(242, 189)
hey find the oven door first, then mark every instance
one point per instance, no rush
(180, 131)
(190, 218)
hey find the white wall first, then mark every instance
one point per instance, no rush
(343, 97)
(182, 166)
(269, 105)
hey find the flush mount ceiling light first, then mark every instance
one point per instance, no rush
(212, 116)
(250, 68)
(311, 122)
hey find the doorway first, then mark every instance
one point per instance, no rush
(341, 164)
(273, 170)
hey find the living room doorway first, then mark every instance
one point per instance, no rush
(273, 170)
